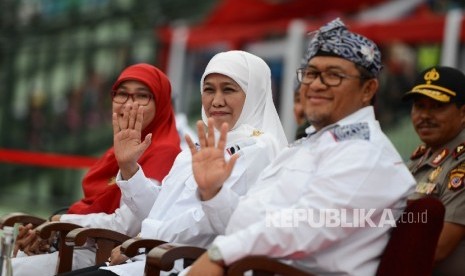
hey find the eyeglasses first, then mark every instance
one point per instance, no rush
(328, 78)
(122, 97)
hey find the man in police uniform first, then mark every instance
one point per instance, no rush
(438, 116)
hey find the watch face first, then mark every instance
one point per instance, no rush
(214, 254)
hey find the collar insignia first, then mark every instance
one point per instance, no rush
(459, 150)
(440, 157)
(418, 152)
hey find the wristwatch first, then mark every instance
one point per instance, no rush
(215, 256)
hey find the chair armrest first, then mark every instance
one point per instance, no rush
(131, 247)
(45, 231)
(18, 217)
(162, 257)
(105, 240)
(265, 266)
(78, 237)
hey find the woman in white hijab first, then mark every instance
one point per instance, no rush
(235, 89)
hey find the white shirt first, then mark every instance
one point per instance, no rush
(178, 215)
(123, 220)
(348, 166)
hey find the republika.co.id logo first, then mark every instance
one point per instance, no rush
(339, 218)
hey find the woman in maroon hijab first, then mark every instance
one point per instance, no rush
(139, 88)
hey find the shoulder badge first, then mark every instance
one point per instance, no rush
(456, 177)
(351, 132)
(418, 152)
(459, 150)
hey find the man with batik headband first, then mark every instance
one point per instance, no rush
(438, 116)
(336, 40)
(339, 166)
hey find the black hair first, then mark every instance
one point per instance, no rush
(366, 75)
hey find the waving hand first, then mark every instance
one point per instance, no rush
(208, 164)
(127, 142)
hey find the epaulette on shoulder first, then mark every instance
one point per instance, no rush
(351, 132)
(418, 152)
(459, 150)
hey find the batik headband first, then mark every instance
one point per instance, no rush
(334, 38)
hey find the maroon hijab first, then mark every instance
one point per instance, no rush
(101, 194)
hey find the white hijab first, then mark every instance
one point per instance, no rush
(253, 75)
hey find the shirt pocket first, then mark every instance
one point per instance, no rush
(296, 175)
(297, 163)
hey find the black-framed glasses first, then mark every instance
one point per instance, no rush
(328, 78)
(122, 97)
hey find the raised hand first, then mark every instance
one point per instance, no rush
(208, 163)
(127, 142)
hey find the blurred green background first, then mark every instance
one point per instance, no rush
(58, 59)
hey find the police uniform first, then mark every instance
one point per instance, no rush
(441, 173)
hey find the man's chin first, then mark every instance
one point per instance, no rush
(429, 140)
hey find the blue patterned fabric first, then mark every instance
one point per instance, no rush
(351, 132)
(334, 38)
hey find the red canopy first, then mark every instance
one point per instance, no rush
(258, 11)
(239, 21)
